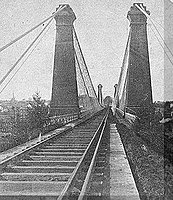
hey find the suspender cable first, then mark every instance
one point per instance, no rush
(84, 62)
(12, 68)
(26, 33)
(23, 62)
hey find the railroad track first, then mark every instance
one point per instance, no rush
(72, 165)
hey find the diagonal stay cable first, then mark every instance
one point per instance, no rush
(86, 88)
(23, 62)
(162, 46)
(156, 22)
(12, 68)
(143, 11)
(120, 81)
(84, 61)
(81, 73)
(162, 38)
(27, 32)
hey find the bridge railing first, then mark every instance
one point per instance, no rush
(60, 120)
(54, 122)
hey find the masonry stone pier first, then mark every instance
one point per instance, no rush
(139, 90)
(64, 87)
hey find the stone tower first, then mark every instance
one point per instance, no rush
(64, 87)
(139, 90)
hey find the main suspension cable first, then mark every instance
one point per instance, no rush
(24, 61)
(144, 12)
(162, 46)
(162, 39)
(27, 32)
(12, 68)
(154, 20)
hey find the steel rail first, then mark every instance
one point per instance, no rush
(11, 158)
(91, 167)
(64, 194)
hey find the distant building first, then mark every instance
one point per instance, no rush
(9, 108)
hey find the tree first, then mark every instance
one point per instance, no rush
(37, 112)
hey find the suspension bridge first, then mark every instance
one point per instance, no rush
(78, 161)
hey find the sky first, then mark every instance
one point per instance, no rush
(168, 37)
(102, 29)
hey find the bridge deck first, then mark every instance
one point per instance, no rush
(18, 149)
(122, 183)
(11, 152)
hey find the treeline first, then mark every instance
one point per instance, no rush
(18, 129)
